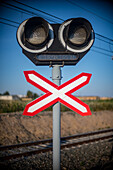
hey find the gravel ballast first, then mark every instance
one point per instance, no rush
(98, 155)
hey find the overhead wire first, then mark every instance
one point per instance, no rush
(104, 37)
(8, 24)
(46, 14)
(74, 3)
(89, 11)
(33, 13)
(19, 23)
(91, 49)
(9, 20)
(29, 12)
(16, 9)
(104, 40)
(101, 52)
(38, 10)
(102, 49)
(110, 48)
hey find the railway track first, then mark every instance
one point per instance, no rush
(31, 148)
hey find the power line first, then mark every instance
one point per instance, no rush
(104, 37)
(16, 9)
(46, 14)
(96, 37)
(8, 24)
(55, 16)
(91, 49)
(19, 23)
(102, 49)
(9, 20)
(33, 13)
(75, 4)
(110, 48)
(101, 52)
(19, 8)
(38, 10)
(22, 11)
(104, 41)
(49, 19)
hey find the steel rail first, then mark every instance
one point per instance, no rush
(47, 149)
(50, 140)
(86, 141)
(87, 134)
(63, 146)
(25, 144)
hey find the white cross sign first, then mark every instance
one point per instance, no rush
(54, 93)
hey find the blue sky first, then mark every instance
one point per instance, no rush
(13, 62)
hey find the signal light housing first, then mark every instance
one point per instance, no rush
(46, 44)
(76, 35)
(29, 29)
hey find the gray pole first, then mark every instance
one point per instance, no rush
(56, 77)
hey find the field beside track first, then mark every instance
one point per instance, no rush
(16, 106)
(16, 128)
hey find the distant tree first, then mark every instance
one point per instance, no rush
(6, 93)
(29, 94)
(35, 95)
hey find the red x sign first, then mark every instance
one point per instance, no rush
(56, 93)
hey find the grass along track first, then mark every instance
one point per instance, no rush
(16, 106)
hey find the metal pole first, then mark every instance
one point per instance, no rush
(56, 77)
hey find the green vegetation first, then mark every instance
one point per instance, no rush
(11, 106)
(32, 95)
(97, 105)
(5, 93)
(16, 106)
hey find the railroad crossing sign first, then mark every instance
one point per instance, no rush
(56, 45)
(54, 93)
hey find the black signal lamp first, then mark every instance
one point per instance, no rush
(44, 43)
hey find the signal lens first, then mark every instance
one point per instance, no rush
(78, 36)
(36, 35)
